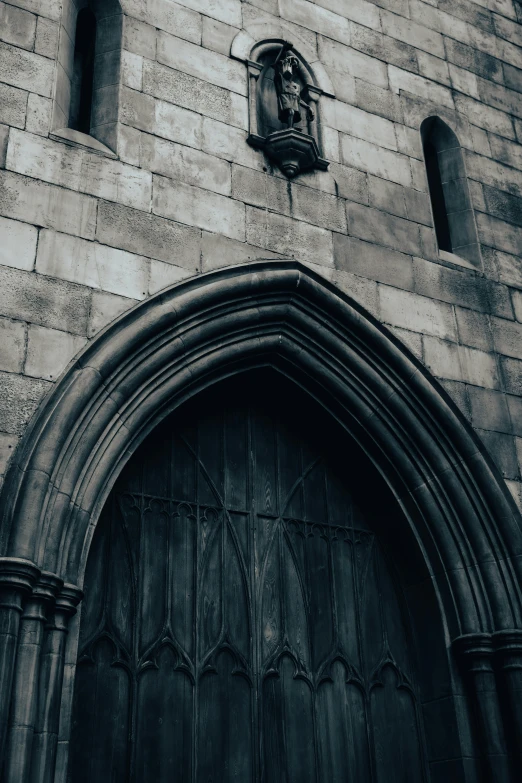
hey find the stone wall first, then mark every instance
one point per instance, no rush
(85, 235)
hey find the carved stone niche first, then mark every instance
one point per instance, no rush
(279, 77)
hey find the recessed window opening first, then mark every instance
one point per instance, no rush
(448, 186)
(437, 197)
(83, 72)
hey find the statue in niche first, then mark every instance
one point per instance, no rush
(286, 67)
(282, 93)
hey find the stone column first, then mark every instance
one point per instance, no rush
(476, 655)
(51, 680)
(26, 678)
(17, 578)
(508, 648)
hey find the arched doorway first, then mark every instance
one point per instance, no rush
(453, 532)
(243, 619)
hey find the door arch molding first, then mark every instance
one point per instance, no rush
(276, 313)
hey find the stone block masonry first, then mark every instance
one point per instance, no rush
(84, 235)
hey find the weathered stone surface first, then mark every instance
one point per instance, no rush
(217, 36)
(218, 251)
(509, 269)
(517, 304)
(12, 345)
(210, 66)
(17, 27)
(164, 275)
(471, 59)
(148, 234)
(502, 449)
(197, 207)
(19, 399)
(7, 447)
(194, 94)
(105, 308)
(512, 375)
(417, 313)
(474, 329)
(313, 17)
(383, 163)
(47, 34)
(361, 124)
(49, 351)
(485, 116)
(169, 16)
(13, 105)
(44, 301)
(412, 33)
(38, 114)
(230, 144)
(508, 337)
(450, 285)
(503, 205)
(47, 205)
(228, 11)
(289, 237)
(18, 244)
(489, 410)
(261, 190)
(496, 233)
(350, 183)
(185, 164)
(63, 165)
(384, 229)
(494, 173)
(92, 264)
(26, 70)
(4, 139)
(372, 261)
(351, 62)
(418, 85)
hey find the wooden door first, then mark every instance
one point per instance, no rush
(240, 621)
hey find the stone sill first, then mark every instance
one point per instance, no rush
(81, 140)
(451, 258)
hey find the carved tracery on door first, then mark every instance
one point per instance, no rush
(240, 620)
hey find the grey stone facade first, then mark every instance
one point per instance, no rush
(85, 236)
(170, 189)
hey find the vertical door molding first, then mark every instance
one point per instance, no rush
(476, 656)
(47, 721)
(26, 677)
(17, 578)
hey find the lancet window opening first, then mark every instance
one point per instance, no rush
(452, 209)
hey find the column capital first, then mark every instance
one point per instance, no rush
(68, 599)
(18, 574)
(474, 644)
(509, 641)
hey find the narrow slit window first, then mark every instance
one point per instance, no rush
(83, 72)
(453, 215)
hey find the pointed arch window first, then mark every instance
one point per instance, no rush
(88, 76)
(452, 209)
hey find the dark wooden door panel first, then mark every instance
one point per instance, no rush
(240, 620)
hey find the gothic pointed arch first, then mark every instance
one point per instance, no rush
(459, 534)
(184, 339)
